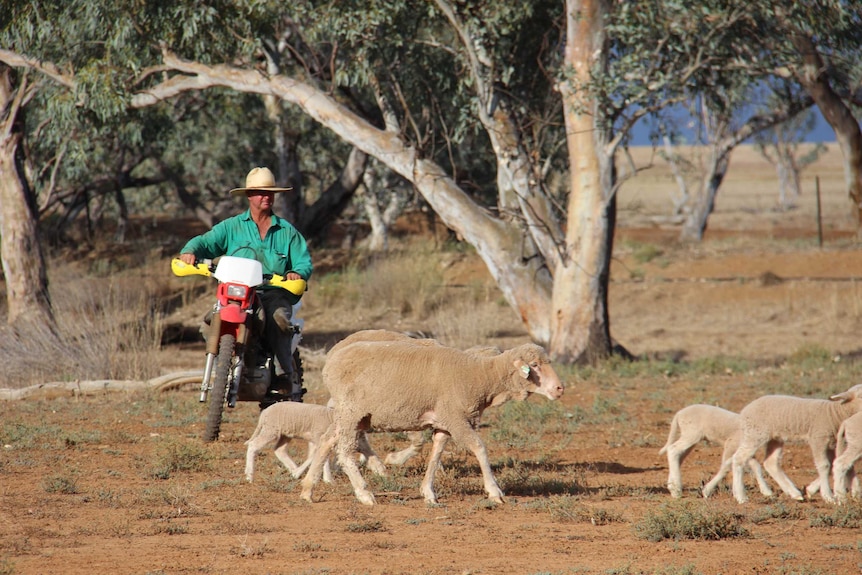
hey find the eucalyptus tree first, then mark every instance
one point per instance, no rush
(823, 53)
(65, 78)
(20, 250)
(480, 106)
(454, 81)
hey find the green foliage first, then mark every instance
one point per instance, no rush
(690, 520)
(62, 483)
(845, 516)
(179, 456)
(568, 509)
(370, 526)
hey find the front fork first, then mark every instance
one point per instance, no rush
(215, 333)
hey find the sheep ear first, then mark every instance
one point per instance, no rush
(842, 397)
(523, 368)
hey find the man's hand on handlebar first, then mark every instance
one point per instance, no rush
(188, 259)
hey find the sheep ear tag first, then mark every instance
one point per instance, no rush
(525, 371)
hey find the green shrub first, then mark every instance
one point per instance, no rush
(689, 520)
(174, 456)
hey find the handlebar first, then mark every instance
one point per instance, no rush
(204, 268)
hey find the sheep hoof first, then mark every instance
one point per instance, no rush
(365, 498)
(497, 499)
(306, 495)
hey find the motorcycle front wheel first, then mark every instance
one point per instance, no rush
(226, 344)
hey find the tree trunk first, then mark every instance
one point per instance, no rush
(21, 254)
(378, 240)
(695, 224)
(580, 323)
(317, 217)
(813, 76)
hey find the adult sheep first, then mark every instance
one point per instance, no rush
(416, 438)
(400, 386)
(772, 419)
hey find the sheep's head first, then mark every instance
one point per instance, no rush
(533, 365)
(854, 393)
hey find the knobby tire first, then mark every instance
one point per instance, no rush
(217, 395)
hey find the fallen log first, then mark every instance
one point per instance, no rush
(77, 388)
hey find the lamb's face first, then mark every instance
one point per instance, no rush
(541, 377)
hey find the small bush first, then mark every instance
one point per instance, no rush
(847, 516)
(366, 527)
(688, 520)
(60, 484)
(176, 456)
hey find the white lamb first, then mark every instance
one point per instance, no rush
(695, 423)
(286, 420)
(848, 447)
(772, 419)
(401, 386)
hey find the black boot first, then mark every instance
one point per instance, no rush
(296, 389)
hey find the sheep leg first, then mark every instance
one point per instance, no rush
(746, 450)
(716, 479)
(345, 449)
(255, 444)
(467, 436)
(438, 443)
(772, 464)
(757, 470)
(844, 476)
(327, 470)
(855, 488)
(676, 454)
(372, 460)
(401, 457)
(282, 455)
(823, 457)
(321, 457)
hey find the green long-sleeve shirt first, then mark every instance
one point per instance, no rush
(282, 250)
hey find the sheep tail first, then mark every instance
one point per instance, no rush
(841, 440)
(673, 435)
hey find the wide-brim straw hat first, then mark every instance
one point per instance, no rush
(259, 179)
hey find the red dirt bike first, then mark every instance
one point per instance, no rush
(236, 351)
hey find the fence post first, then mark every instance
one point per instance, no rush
(819, 217)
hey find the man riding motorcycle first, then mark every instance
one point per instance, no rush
(260, 234)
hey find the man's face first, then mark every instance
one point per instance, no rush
(261, 200)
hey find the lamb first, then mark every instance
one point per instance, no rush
(695, 423)
(772, 419)
(285, 420)
(401, 386)
(849, 449)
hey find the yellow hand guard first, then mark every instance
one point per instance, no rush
(180, 268)
(296, 287)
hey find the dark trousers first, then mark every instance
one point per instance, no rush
(276, 340)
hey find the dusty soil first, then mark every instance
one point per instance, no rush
(120, 483)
